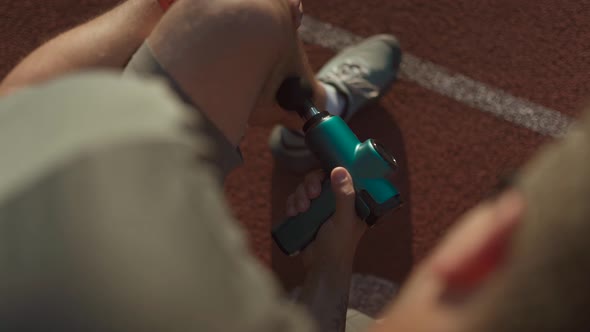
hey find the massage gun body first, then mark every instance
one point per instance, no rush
(334, 144)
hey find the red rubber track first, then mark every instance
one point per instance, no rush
(450, 155)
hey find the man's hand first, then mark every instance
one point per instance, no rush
(328, 259)
(336, 241)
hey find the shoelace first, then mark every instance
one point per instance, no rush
(354, 75)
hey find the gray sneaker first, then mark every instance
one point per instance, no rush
(361, 73)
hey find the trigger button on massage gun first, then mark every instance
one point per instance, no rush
(388, 157)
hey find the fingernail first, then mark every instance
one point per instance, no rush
(340, 177)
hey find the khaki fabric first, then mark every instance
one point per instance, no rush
(357, 321)
(144, 64)
(112, 217)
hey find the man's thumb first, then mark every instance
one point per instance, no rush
(343, 191)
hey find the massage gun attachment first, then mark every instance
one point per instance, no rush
(295, 95)
(334, 144)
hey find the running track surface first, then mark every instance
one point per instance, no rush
(451, 148)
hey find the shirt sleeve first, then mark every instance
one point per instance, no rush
(137, 237)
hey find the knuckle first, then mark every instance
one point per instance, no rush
(347, 195)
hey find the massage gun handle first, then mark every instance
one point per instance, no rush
(295, 233)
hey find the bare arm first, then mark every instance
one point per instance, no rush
(329, 258)
(107, 41)
(325, 295)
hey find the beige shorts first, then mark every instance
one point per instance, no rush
(144, 63)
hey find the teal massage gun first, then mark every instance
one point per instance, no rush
(334, 144)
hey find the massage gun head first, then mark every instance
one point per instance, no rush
(295, 94)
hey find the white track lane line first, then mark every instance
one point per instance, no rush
(459, 87)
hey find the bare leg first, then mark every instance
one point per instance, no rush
(230, 56)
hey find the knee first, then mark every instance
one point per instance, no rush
(259, 19)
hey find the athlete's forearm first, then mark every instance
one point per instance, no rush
(107, 41)
(325, 294)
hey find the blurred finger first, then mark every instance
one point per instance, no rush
(344, 193)
(301, 193)
(291, 210)
(313, 184)
(301, 199)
